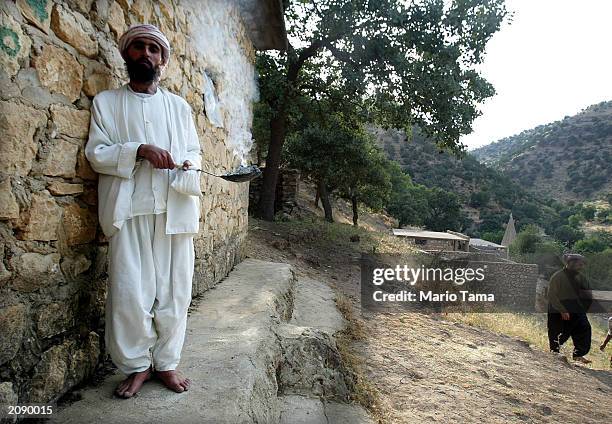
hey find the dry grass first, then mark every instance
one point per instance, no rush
(532, 329)
(316, 233)
(364, 392)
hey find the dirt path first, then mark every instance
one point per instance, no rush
(425, 369)
(431, 370)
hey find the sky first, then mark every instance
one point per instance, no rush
(553, 60)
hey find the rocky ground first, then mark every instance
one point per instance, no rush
(423, 368)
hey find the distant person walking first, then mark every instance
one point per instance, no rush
(567, 308)
(607, 339)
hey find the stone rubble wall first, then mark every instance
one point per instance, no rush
(477, 255)
(56, 56)
(287, 188)
(431, 244)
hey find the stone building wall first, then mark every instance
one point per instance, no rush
(55, 56)
(430, 244)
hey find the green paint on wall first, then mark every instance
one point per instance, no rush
(40, 9)
(5, 44)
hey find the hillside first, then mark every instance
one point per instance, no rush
(570, 159)
(486, 194)
(414, 367)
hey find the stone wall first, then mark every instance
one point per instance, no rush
(516, 285)
(287, 187)
(499, 253)
(516, 282)
(430, 244)
(472, 255)
(57, 55)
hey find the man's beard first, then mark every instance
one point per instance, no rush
(141, 72)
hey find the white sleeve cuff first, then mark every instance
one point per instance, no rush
(127, 158)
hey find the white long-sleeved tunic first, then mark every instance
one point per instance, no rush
(148, 116)
(114, 137)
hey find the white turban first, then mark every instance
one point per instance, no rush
(569, 257)
(145, 31)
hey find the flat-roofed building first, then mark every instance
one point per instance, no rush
(434, 240)
(480, 245)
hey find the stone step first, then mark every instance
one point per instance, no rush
(316, 307)
(298, 409)
(230, 353)
(314, 385)
(259, 348)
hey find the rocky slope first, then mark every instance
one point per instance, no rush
(570, 159)
(486, 194)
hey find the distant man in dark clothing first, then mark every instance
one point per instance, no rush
(567, 308)
(607, 339)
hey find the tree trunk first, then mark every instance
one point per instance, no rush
(278, 131)
(325, 201)
(355, 213)
(267, 195)
(317, 196)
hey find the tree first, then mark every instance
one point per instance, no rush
(527, 240)
(479, 199)
(493, 236)
(368, 180)
(575, 220)
(568, 235)
(597, 242)
(409, 205)
(340, 156)
(444, 211)
(588, 212)
(399, 64)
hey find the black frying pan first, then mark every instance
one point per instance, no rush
(241, 175)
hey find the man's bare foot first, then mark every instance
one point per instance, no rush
(131, 385)
(173, 380)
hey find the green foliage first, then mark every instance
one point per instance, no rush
(603, 216)
(344, 157)
(479, 199)
(597, 242)
(417, 205)
(392, 63)
(575, 220)
(444, 211)
(493, 236)
(409, 205)
(588, 212)
(550, 247)
(527, 241)
(599, 269)
(568, 235)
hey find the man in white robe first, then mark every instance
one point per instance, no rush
(138, 133)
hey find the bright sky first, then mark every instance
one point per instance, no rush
(553, 60)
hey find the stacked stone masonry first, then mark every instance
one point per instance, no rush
(56, 56)
(287, 187)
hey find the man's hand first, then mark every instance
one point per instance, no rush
(158, 157)
(565, 316)
(186, 165)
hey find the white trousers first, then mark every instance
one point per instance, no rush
(150, 277)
